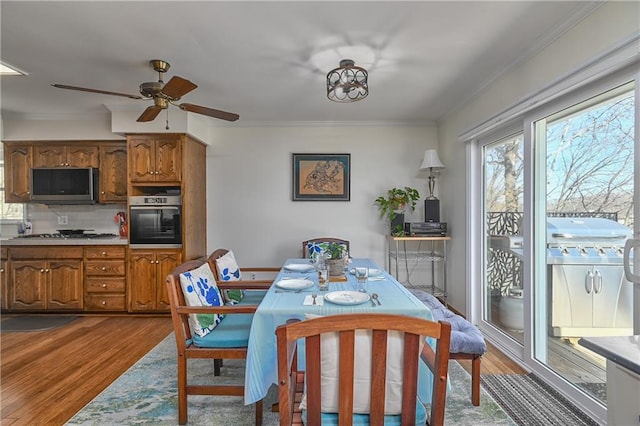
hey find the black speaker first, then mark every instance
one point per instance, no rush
(432, 210)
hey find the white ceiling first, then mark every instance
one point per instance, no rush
(257, 58)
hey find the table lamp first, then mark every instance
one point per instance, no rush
(431, 162)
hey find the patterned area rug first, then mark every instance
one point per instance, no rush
(146, 394)
(530, 401)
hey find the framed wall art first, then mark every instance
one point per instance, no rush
(321, 177)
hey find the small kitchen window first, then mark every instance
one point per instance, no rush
(9, 212)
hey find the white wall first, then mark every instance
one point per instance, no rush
(249, 172)
(608, 25)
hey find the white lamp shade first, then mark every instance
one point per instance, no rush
(431, 161)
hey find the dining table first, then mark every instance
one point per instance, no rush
(291, 296)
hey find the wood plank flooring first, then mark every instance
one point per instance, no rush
(48, 376)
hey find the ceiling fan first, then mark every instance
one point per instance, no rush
(162, 95)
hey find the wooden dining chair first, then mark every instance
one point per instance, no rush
(242, 271)
(227, 340)
(314, 244)
(361, 367)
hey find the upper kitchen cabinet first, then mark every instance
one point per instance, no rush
(76, 155)
(17, 168)
(155, 159)
(113, 172)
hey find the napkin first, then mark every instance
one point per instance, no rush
(377, 278)
(308, 300)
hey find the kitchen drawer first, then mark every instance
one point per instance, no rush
(48, 252)
(104, 252)
(105, 267)
(105, 285)
(104, 302)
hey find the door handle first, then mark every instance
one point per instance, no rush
(598, 282)
(588, 282)
(629, 245)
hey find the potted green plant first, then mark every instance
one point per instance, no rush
(336, 253)
(394, 204)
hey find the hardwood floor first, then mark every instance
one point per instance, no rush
(48, 376)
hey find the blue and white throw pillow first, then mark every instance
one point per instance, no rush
(200, 289)
(314, 248)
(228, 270)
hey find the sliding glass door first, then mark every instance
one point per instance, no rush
(586, 165)
(557, 209)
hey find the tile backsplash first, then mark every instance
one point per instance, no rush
(44, 218)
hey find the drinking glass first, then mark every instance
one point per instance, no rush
(362, 274)
(323, 278)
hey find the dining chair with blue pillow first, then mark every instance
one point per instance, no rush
(206, 327)
(361, 369)
(316, 245)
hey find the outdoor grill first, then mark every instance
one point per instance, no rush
(588, 295)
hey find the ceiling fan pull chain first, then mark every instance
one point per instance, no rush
(167, 127)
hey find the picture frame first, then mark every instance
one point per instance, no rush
(321, 177)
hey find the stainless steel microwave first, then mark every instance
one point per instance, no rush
(64, 185)
(155, 221)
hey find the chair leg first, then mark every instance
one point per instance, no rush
(217, 363)
(259, 413)
(475, 380)
(182, 390)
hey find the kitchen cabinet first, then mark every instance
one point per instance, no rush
(148, 270)
(4, 277)
(43, 278)
(154, 158)
(17, 170)
(76, 155)
(113, 173)
(105, 278)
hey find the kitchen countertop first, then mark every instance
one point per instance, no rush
(18, 241)
(623, 350)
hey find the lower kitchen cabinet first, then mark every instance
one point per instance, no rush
(105, 278)
(46, 284)
(4, 277)
(148, 270)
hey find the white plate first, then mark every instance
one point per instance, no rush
(347, 297)
(298, 267)
(372, 272)
(294, 283)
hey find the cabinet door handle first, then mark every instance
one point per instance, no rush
(598, 282)
(104, 253)
(104, 268)
(104, 302)
(588, 282)
(42, 271)
(1, 270)
(104, 286)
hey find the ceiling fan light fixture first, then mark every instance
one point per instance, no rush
(347, 83)
(160, 102)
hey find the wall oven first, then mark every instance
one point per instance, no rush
(155, 221)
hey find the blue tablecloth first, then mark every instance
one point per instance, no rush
(277, 307)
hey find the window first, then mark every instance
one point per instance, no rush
(8, 211)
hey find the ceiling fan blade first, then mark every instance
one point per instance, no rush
(177, 87)
(215, 113)
(103, 92)
(149, 114)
